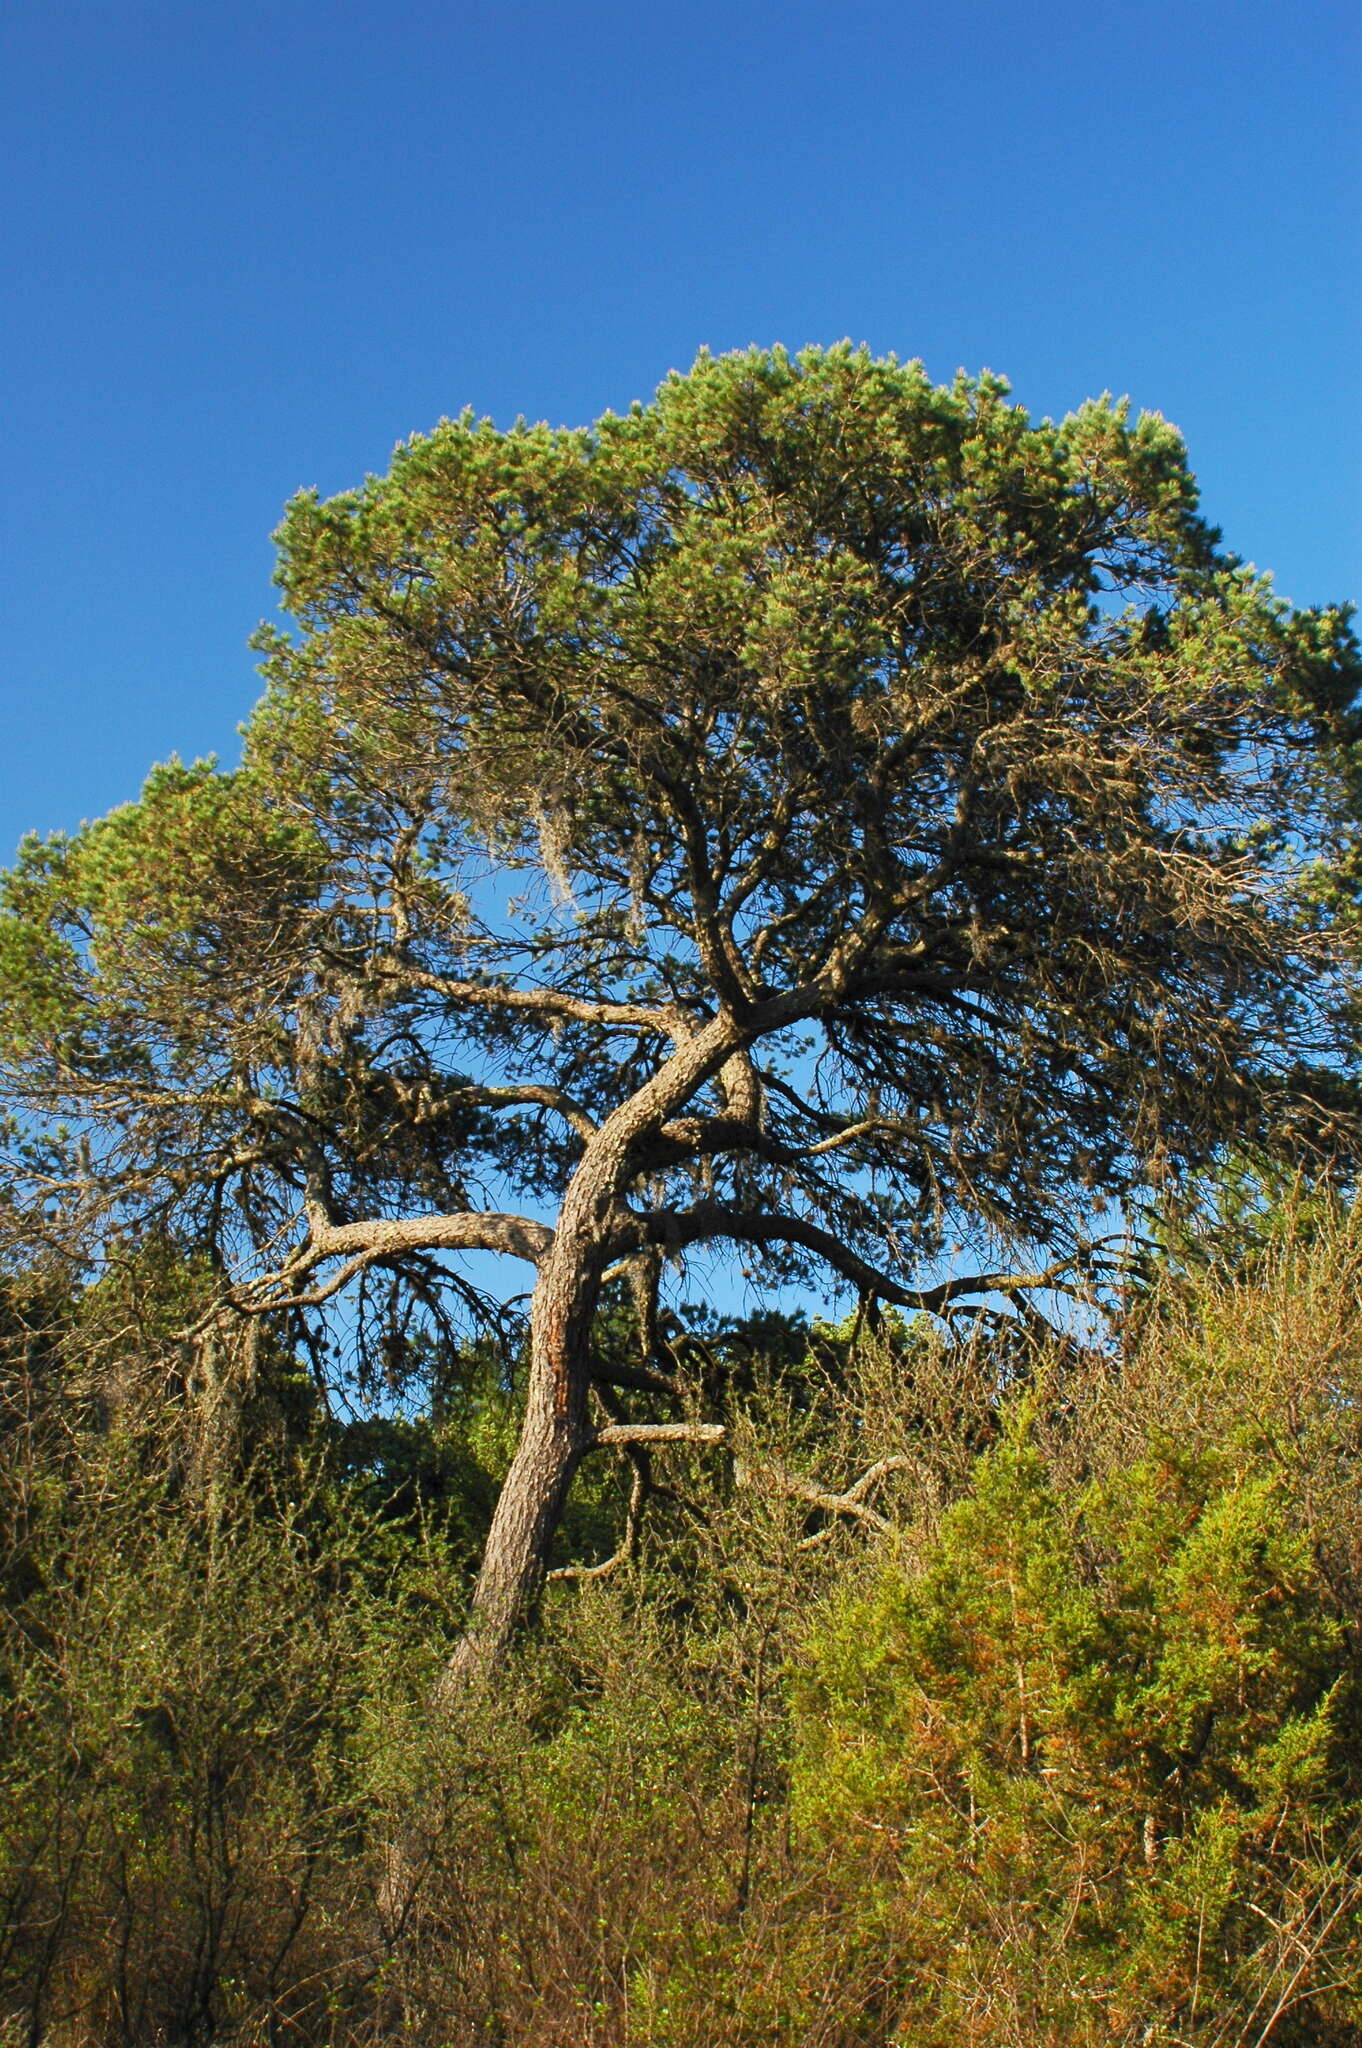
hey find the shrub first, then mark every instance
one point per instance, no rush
(1091, 1770)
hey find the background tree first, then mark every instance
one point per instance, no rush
(904, 805)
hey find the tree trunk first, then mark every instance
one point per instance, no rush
(556, 1430)
(553, 1436)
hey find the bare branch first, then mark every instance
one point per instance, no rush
(850, 1502)
(529, 1096)
(361, 1245)
(669, 1022)
(469, 1230)
(616, 1434)
(674, 1229)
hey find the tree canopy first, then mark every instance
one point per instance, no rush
(818, 812)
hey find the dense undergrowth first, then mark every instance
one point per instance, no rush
(1059, 1743)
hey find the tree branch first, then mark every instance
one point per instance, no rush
(640, 1379)
(471, 1230)
(615, 1434)
(361, 1245)
(851, 1501)
(639, 1488)
(669, 1022)
(673, 1229)
(530, 1095)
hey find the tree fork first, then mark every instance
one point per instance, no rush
(556, 1432)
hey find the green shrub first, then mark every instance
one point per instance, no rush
(1090, 1770)
(186, 1823)
(1070, 1753)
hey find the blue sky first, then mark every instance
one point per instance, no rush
(249, 247)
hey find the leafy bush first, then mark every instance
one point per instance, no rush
(184, 1686)
(1088, 1767)
(1055, 1739)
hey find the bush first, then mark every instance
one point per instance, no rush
(1068, 1752)
(1088, 1768)
(186, 1826)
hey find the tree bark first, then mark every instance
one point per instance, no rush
(553, 1436)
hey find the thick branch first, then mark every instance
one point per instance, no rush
(615, 1434)
(674, 1229)
(470, 1230)
(360, 1245)
(669, 1022)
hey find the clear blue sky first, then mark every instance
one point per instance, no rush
(249, 247)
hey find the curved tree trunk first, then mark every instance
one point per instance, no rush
(556, 1430)
(553, 1437)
